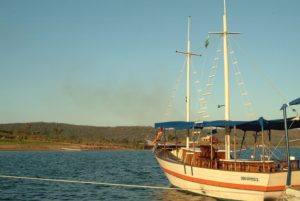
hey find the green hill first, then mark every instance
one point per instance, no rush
(87, 135)
(123, 136)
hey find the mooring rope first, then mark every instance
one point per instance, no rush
(113, 184)
(88, 182)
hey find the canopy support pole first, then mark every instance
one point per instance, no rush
(263, 144)
(269, 145)
(176, 138)
(254, 148)
(234, 143)
(283, 108)
(288, 179)
(242, 143)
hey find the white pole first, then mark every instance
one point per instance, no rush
(226, 76)
(226, 83)
(188, 82)
(188, 73)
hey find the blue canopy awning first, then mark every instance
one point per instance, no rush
(295, 102)
(256, 125)
(177, 125)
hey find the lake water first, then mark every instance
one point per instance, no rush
(125, 167)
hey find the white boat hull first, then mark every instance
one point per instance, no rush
(226, 184)
(293, 193)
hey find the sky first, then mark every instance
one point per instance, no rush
(113, 63)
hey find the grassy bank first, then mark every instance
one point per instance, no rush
(55, 136)
(14, 145)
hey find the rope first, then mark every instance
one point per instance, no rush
(262, 74)
(206, 93)
(114, 184)
(245, 97)
(281, 139)
(171, 101)
(87, 182)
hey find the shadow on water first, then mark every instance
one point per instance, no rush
(176, 195)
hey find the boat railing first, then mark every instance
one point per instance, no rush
(283, 165)
(197, 158)
(247, 166)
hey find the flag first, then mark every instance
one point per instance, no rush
(206, 43)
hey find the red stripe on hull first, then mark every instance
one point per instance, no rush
(224, 184)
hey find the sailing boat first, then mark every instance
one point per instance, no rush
(204, 169)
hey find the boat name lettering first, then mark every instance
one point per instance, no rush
(249, 178)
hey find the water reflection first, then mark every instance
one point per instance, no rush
(175, 195)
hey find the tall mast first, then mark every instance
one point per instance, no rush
(225, 33)
(226, 76)
(188, 82)
(188, 73)
(226, 85)
(188, 101)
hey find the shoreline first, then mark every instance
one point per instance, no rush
(56, 146)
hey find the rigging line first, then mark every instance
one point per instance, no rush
(273, 152)
(174, 91)
(235, 69)
(196, 82)
(279, 142)
(210, 82)
(203, 63)
(203, 60)
(239, 79)
(110, 184)
(205, 50)
(197, 73)
(282, 138)
(269, 81)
